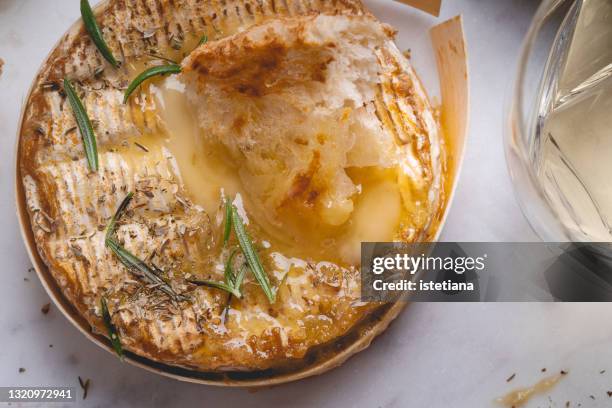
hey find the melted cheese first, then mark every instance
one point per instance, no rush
(204, 169)
(208, 174)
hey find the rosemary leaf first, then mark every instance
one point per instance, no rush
(84, 124)
(112, 225)
(230, 278)
(149, 73)
(141, 269)
(217, 285)
(240, 277)
(111, 329)
(236, 282)
(96, 35)
(251, 255)
(203, 40)
(228, 221)
(282, 282)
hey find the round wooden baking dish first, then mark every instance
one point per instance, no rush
(449, 45)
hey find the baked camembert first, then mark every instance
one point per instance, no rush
(302, 123)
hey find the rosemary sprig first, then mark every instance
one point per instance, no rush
(218, 285)
(111, 329)
(84, 124)
(203, 40)
(112, 225)
(141, 269)
(135, 265)
(231, 284)
(251, 255)
(96, 35)
(235, 279)
(237, 284)
(149, 73)
(228, 221)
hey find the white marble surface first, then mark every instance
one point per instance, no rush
(434, 355)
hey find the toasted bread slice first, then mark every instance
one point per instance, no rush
(294, 101)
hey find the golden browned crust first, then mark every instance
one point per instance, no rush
(257, 62)
(68, 206)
